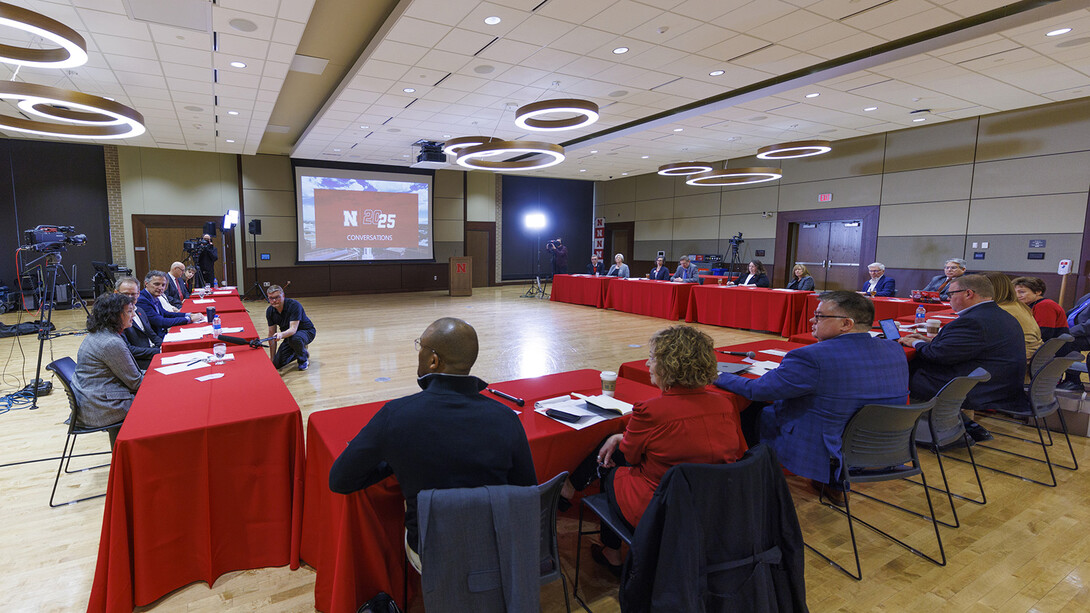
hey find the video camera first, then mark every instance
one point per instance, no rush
(195, 245)
(52, 238)
(736, 239)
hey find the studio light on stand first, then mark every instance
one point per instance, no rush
(535, 222)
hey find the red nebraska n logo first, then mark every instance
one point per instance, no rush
(460, 268)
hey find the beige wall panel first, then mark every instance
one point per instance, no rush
(689, 247)
(612, 192)
(923, 219)
(1055, 128)
(624, 211)
(448, 183)
(1050, 174)
(1008, 252)
(268, 202)
(945, 144)
(1050, 214)
(273, 228)
(748, 250)
(271, 172)
(928, 185)
(753, 200)
(444, 251)
(696, 228)
(448, 208)
(281, 253)
(849, 158)
(481, 199)
(851, 191)
(697, 205)
(751, 226)
(662, 208)
(448, 231)
(927, 252)
(648, 250)
(654, 230)
(653, 185)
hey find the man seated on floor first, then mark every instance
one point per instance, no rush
(144, 343)
(983, 336)
(818, 388)
(155, 284)
(296, 329)
(447, 436)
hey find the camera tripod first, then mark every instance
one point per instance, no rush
(45, 325)
(735, 259)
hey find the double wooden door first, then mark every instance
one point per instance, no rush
(830, 250)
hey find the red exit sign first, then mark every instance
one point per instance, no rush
(825, 197)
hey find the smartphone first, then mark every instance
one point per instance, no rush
(562, 416)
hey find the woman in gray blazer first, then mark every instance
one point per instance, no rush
(106, 376)
(619, 268)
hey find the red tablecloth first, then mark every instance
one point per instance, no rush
(227, 320)
(944, 317)
(223, 304)
(355, 542)
(207, 477)
(751, 308)
(580, 289)
(637, 370)
(664, 299)
(884, 308)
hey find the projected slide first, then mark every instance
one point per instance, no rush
(353, 215)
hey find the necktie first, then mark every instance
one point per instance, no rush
(944, 284)
(178, 286)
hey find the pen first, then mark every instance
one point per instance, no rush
(518, 401)
(195, 362)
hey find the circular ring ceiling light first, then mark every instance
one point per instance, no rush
(794, 149)
(684, 169)
(455, 145)
(70, 52)
(735, 176)
(82, 115)
(585, 110)
(550, 155)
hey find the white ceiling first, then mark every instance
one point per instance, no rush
(468, 76)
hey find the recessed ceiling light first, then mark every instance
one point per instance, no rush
(715, 73)
(620, 50)
(446, 136)
(582, 170)
(493, 20)
(408, 90)
(870, 108)
(919, 119)
(232, 112)
(230, 140)
(644, 157)
(624, 174)
(594, 151)
(679, 129)
(238, 64)
(1058, 32)
(813, 95)
(365, 127)
(337, 150)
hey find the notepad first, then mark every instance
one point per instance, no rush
(204, 301)
(608, 404)
(183, 358)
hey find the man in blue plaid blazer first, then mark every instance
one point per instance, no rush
(818, 388)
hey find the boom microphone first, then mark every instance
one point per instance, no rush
(234, 340)
(742, 354)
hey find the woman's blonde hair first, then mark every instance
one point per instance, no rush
(684, 357)
(805, 271)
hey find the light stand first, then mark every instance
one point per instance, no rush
(45, 325)
(537, 223)
(255, 230)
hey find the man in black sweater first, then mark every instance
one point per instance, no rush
(447, 436)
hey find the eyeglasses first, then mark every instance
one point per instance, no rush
(955, 291)
(418, 345)
(819, 316)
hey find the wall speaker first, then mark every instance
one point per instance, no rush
(255, 227)
(210, 228)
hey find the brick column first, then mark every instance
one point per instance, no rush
(117, 215)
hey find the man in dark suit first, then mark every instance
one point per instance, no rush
(176, 288)
(954, 268)
(596, 267)
(818, 388)
(144, 343)
(983, 336)
(206, 260)
(155, 283)
(879, 284)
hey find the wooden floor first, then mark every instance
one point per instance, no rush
(1028, 549)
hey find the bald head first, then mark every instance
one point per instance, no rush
(177, 269)
(449, 345)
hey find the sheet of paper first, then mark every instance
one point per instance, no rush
(778, 352)
(182, 358)
(945, 316)
(606, 402)
(204, 301)
(549, 403)
(783, 289)
(215, 375)
(230, 330)
(185, 334)
(762, 367)
(177, 368)
(587, 417)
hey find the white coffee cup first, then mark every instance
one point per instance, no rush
(932, 326)
(609, 382)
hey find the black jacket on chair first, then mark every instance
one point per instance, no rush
(735, 523)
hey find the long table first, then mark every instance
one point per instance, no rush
(884, 308)
(664, 299)
(580, 289)
(227, 320)
(206, 478)
(226, 303)
(355, 542)
(637, 370)
(752, 308)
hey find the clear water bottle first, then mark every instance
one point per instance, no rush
(216, 326)
(921, 315)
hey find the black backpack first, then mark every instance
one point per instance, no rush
(381, 603)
